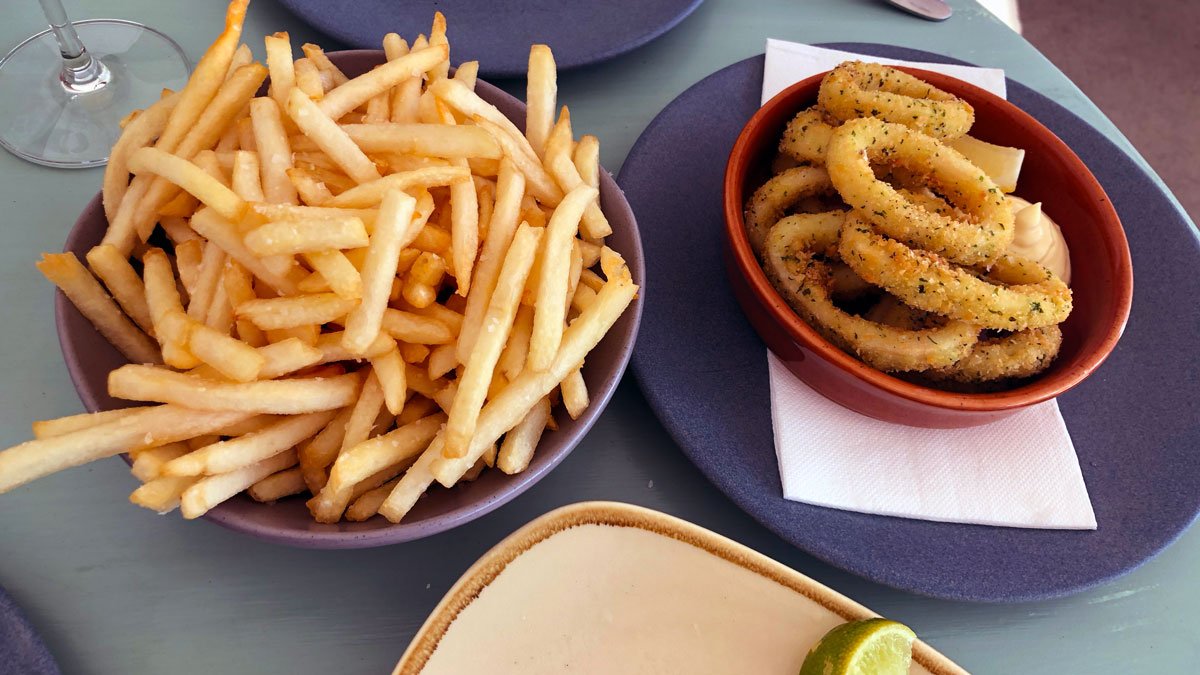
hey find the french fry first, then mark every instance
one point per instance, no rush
(246, 176)
(278, 485)
(318, 58)
(312, 190)
(250, 424)
(282, 397)
(221, 113)
(444, 397)
(583, 298)
(574, 394)
(162, 495)
(154, 426)
(368, 503)
(82, 289)
(123, 282)
(210, 164)
(413, 353)
(415, 329)
(332, 349)
(178, 230)
(394, 46)
(467, 73)
(510, 188)
(573, 274)
(360, 461)
(369, 195)
(460, 97)
(337, 271)
(238, 289)
(233, 358)
(139, 133)
(538, 182)
(413, 483)
(359, 90)
(464, 230)
(561, 167)
(228, 143)
(393, 230)
(208, 276)
(552, 280)
(437, 38)
(308, 79)
(225, 456)
(166, 310)
(205, 80)
(430, 140)
(506, 410)
(304, 236)
(364, 412)
(280, 63)
(328, 136)
(587, 160)
(541, 93)
(296, 310)
(316, 455)
(389, 368)
(307, 334)
(442, 360)
(149, 463)
(309, 212)
(191, 178)
(242, 56)
(223, 233)
(521, 442)
(497, 322)
(274, 152)
(187, 261)
(65, 425)
(377, 109)
(285, 357)
(512, 360)
(452, 319)
(208, 492)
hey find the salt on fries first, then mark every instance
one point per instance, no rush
(366, 285)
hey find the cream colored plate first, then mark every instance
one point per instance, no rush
(601, 587)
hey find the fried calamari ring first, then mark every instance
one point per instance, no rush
(779, 194)
(979, 239)
(1022, 354)
(1017, 294)
(818, 232)
(806, 137)
(804, 282)
(856, 89)
(891, 312)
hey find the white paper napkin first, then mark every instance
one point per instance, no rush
(1021, 471)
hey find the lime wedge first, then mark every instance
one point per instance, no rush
(870, 647)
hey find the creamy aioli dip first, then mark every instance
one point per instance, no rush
(1039, 238)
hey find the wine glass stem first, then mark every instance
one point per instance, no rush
(81, 73)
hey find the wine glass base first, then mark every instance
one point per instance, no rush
(41, 121)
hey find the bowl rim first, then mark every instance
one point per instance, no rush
(1042, 389)
(387, 533)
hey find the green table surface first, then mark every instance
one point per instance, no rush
(115, 589)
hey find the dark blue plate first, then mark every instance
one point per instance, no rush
(21, 650)
(498, 34)
(1135, 422)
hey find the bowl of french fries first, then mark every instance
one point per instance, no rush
(341, 300)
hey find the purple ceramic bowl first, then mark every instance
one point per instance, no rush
(90, 358)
